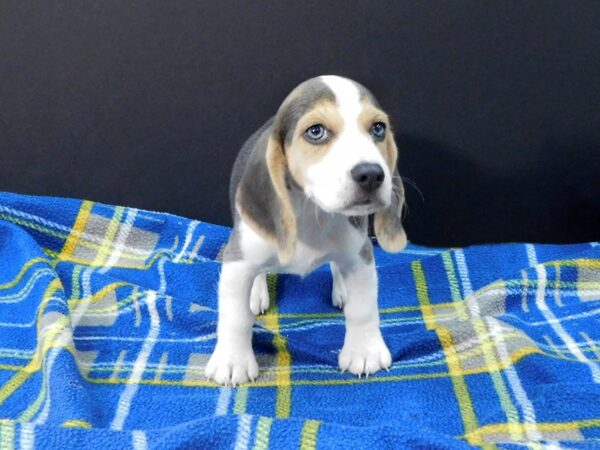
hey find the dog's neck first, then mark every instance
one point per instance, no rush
(306, 209)
(311, 218)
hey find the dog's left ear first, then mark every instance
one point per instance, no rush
(388, 222)
(285, 222)
(262, 197)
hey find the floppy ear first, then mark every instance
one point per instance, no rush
(262, 197)
(388, 222)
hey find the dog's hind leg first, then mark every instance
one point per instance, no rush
(259, 295)
(338, 291)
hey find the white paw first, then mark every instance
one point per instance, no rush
(338, 291)
(362, 355)
(231, 367)
(259, 295)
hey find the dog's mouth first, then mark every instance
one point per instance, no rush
(360, 204)
(366, 200)
(363, 205)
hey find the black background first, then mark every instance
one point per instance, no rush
(495, 104)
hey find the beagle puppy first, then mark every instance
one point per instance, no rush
(302, 189)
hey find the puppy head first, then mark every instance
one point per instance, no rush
(340, 149)
(333, 140)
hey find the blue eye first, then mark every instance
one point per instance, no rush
(378, 130)
(315, 133)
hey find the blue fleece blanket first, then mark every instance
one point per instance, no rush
(108, 314)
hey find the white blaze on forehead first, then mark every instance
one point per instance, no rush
(347, 97)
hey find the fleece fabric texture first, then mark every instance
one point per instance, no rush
(108, 317)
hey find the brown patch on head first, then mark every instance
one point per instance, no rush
(302, 154)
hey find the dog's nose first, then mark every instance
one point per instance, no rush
(369, 176)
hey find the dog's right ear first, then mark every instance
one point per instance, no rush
(388, 222)
(262, 197)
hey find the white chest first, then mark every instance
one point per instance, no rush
(306, 259)
(321, 238)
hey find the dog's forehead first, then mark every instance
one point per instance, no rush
(349, 95)
(346, 94)
(300, 101)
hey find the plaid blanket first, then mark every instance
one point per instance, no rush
(108, 314)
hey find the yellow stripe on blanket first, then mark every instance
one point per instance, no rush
(77, 230)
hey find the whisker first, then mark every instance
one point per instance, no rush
(304, 205)
(405, 210)
(414, 186)
(317, 216)
(397, 192)
(398, 197)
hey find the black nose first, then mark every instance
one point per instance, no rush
(369, 176)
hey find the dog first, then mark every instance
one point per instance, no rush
(302, 188)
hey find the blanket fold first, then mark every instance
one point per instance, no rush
(108, 317)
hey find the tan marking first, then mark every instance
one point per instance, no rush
(367, 117)
(301, 154)
(388, 222)
(388, 229)
(286, 229)
(324, 112)
(391, 150)
(371, 114)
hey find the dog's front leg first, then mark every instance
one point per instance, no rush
(233, 361)
(364, 350)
